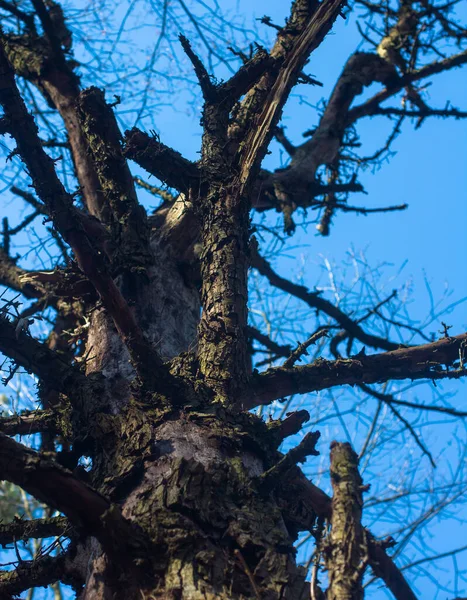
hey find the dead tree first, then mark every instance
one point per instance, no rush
(147, 368)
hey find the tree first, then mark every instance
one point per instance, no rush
(146, 371)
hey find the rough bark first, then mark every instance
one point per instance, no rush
(188, 496)
(346, 550)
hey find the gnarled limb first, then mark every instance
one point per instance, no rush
(39, 572)
(36, 358)
(42, 60)
(128, 222)
(47, 481)
(223, 211)
(12, 276)
(161, 161)
(309, 32)
(308, 500)
(427, 361)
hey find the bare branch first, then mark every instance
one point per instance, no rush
(246, 76)
(12, 277)
(40, 572)
(27, 18)
(207, 87)
(267, 342)
(161, 161)
(302, 348)
(307, 38)
(362, 210)
(28, 422)
(367, 108)
(384, 568)
(20, 529)
(51, 32)
(36, 358)
(284, 141)
(155, 190)
(291, 425)
(314, 300)
(49, 482)
(389, 399)
(298, 491)
(272, 477)
(427, 361)
(59, 84)
(422, 113)
(129, 227)
(52, 484)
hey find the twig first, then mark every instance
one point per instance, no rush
(249, 574)
(302, 348)
(307, 447)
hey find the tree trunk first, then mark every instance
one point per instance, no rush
(187, 476)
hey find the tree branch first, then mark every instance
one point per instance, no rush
(161, 161)
(297, 184)
(37, 528)
(39, 572)
(421, 113)
(67, 220)
(277, 349)
(59, 85)
(50, 483)
(246, 76)
(129, 227)
(28, 422)
(389, 399)
(207, 87)
(307, 38)
(12, 276)
(273, 476)
(426, 361)
(291, 425)
(302, 349)
(36, 358)
(47, 481)
(367, 108)
(314, 300)
(302, 493)
(384, 567)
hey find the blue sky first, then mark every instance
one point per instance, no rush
(428, 172)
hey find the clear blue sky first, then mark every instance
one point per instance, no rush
(429, 172)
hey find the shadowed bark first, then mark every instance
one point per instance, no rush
(346, 549)
(169, 486)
